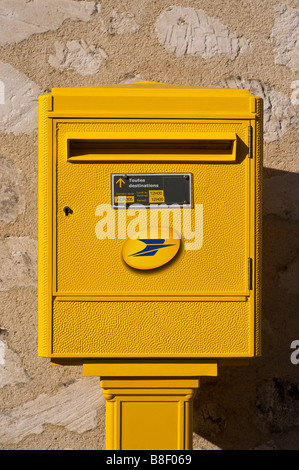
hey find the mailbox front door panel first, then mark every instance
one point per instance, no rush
(85, 265)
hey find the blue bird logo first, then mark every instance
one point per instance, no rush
(152, 246)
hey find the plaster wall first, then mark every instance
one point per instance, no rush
(229, 43)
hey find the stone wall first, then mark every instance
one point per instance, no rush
(228, 43)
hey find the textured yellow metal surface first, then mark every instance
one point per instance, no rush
(201, 304)
(152, 329)
(256, 219)
(45, 226)
(218, 267)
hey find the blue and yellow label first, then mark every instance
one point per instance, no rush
(150, 253)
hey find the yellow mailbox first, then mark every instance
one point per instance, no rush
(149, 246)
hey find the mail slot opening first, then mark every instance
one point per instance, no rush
(194, 149)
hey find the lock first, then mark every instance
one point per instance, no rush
(67, 210)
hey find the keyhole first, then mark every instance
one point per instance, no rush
(67, 210)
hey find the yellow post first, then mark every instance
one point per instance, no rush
(147, 414)
(147, 406)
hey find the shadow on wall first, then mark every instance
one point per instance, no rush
(257, 406)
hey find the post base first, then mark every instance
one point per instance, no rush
(149, 414)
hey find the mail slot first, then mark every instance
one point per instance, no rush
(149, 224)
(171, 147)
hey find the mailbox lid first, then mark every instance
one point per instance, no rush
(152, 100)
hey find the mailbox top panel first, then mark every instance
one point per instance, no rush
(151, 100)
